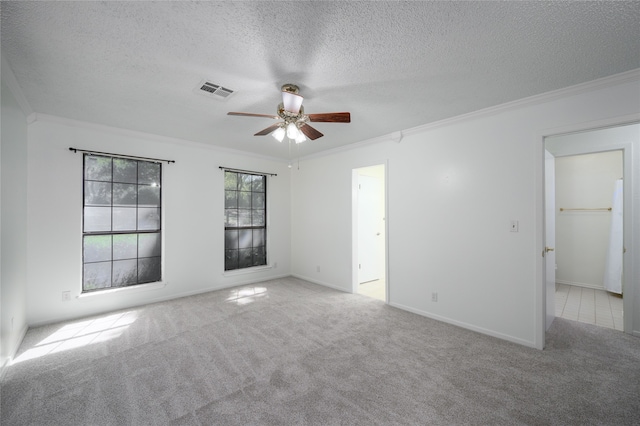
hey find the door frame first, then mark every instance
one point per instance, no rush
(354, 226)
(550, 255)
(631, 209)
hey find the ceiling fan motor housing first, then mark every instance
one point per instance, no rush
(291, 88)
(291, 117)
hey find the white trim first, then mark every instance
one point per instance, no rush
(540, 284)
(270, 263)
(468, 326)
(159, 299)
(322, 283)
(395, 136)
(250, 270)
(350, 147)
(577, 89)
(12, 83)
(583, 285)
(587, 126)
(144, 135)
(14, 351)
(117, 290)
(247, 282)
(354, 225)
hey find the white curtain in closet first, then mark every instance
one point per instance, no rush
(613, 266)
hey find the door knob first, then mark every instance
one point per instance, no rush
(548, 249)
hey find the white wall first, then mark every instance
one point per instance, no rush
(582, 236)
(13, 227)
(453, 189)
(193, 218)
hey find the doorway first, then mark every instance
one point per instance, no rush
(369, 226)
(588, 150)
(588, 238)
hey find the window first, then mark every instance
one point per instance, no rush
(245, 220)
(121, 239)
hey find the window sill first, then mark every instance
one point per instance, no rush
(119, 290)
(245, 271)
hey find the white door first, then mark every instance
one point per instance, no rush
(550, 236)
(370, 228)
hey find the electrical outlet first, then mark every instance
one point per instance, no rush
(318, 268)
(434, 297)
(66, 296)
(275, 264)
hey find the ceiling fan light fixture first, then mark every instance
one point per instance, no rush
(292, 131)
(294, 120)
(278, 134)
(301, 137)
(292, 102)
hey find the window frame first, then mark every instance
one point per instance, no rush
(154, 262)
(263, 258)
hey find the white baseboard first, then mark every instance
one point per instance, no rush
(471, 327)
(163, 298)
(14, 351)
(584, 285)
(3, 369)
(322, 283)
(481, 330)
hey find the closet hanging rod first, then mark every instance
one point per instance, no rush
(562, 209)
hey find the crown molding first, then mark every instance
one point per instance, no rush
(590, 86)
(10, 80)
(629, 76)
(143, 135)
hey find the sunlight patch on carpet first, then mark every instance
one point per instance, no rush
(246, 295)
(79, 334)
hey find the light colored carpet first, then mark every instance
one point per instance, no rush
(287, 352)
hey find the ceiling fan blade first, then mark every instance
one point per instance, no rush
(249, 114)
(310, 132)
(267, 130)
(331, 117)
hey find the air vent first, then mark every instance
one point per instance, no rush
(213, 90)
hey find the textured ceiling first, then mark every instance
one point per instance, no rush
(393, 65)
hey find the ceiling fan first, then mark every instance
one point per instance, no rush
(295, 122)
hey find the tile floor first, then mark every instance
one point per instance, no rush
(373, 289)
(587, 305)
